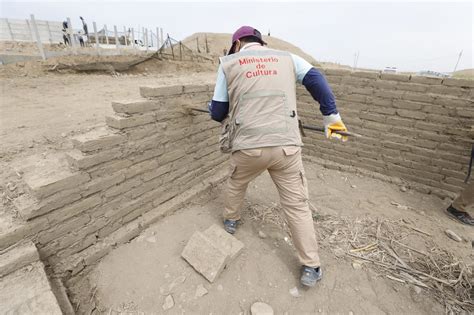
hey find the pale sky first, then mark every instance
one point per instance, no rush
(413, 36)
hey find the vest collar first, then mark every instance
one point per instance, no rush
(250, 46)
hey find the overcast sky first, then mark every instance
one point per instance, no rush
(412, 36)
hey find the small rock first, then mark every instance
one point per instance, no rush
(31, 145)
(260, 308)
(339, 252)
(351, 313)
(295, 292)
(151, 239)
(403, 188)
(169, 303)
(220, 287)
(261, 234)
(356, 265)
(176, 282)
(200, 291)
(63, 135)
(320, 310)
(167, 275)
(353, 186)
(453, 236)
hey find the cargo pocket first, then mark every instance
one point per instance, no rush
(304, 184)
(232, 170)
(291, 150)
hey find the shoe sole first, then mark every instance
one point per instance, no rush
(456, 219)
(310, 283)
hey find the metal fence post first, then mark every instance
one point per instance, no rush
(146, 39)
(96, 38)
(161, 35)
(106, 34)
(125, 35)
(71, 36)
(133, 38)
(158, 39)
(116, 38)
(38, 39)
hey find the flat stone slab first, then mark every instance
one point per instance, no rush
(17, 257)
(27, 291)
(224, 241)
(204, 256)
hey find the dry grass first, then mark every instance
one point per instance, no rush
(397, 250)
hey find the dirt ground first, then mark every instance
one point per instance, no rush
(137, 276)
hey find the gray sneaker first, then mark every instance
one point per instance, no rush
(309, 276)
(230, 226)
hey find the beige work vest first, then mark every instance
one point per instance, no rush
(262, 99)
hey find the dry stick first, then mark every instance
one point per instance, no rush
(396, 279)
(367, 247)
(404, 269)
(417, 229)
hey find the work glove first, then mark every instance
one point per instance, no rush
(333, 123)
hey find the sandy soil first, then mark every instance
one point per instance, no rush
(139, 275)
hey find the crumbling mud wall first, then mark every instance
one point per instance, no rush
(152, 156)
(414, 128)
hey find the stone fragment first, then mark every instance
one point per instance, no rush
(205, 257)
(200, 291)
(224, 241)
(262, 234)
(453, 236)
(260, 308)
(356, 265)
(403, 189)
(294, 292)
(169, 303)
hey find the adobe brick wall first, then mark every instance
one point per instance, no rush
(415, 128)
(150, 158)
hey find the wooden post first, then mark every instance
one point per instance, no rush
(71, 36)
(29, 29)
(146, 39)
(96, 38)
(197, 44)
(125, 36)
(151, 38)
(180, 51)
(133, 38)
(49, 32)
(38, 39)
(207, 47)
(116, 38)
(106, 34)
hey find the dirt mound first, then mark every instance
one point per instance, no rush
(464, 74)
(217, 42)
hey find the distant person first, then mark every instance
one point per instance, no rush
(80, 37)
(66, 35)
(225, 51)
(255, 99)
(84, 27)
(269, 33)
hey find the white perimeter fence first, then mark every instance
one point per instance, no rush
(100, 40)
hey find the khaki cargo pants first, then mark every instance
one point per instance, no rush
(286, 170)
(465, 199)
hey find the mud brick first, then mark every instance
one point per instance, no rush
(119, 122)
(137, 106)
(366, 74)
(160, 91)
(63, 228)
(204, 256)
(44, 182)
(224, 241)
(458, 82)
(383, 84)
(102, 183)
(395, 77)
(141, 167)
(426, 80)
(71, 210)
(340, 72)
(412, 87)
(17, 257)
(411, 114)
(80, 161)
(388, 94)
(407, 105)
(97, 139)
(195, 88)
(419, 97)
